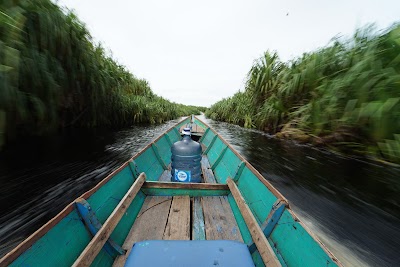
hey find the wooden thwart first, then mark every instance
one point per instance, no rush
(264, 248)
(194, 128)
(174, 185)
(184, 189)
(98, 241)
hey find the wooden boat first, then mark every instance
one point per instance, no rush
(133, 216)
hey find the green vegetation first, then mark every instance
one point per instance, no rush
(345, 95)
(52, 75)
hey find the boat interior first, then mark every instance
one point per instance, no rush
(137, 217)
(194, 212)
(185, 217)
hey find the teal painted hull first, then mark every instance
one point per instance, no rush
(61, 241)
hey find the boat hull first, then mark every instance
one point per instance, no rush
(62, 240)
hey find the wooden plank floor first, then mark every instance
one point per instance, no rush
(198, 228)
(165, 176)
(152, 219)
(149, 224)
(220, 223)
(178, 226)
(182, 218)
(219, 220)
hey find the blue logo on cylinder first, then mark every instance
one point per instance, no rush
(182, 176)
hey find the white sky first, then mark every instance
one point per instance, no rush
(198, 52)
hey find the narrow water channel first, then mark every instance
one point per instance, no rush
(40, 176)
(352, 206)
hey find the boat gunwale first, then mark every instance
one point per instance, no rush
(322, 245)
(12, 255)
(277, 194)
(251, 168)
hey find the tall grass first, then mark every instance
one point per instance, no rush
(346, 94)
(53, 75)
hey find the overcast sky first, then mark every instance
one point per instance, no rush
(198, 52)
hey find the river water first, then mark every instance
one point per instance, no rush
(352, 206)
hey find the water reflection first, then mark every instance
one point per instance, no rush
(39, 177)
(351, 205)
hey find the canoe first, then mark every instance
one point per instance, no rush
(137, 217)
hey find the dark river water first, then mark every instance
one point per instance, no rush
(352, 206)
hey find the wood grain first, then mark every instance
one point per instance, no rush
(195, 128)
(267, 254)
(149, 224)
(198, 229)
(205, 163)
(176, 185)
(219, 220)
(208, 174)
(98, 241)
(178, 226)
(28, 242)
(165, 176)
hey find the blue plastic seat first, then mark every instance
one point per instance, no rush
(179, 253)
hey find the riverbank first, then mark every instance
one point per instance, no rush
(345, 96)
(55, 76)
(352, 206)
(335, 143)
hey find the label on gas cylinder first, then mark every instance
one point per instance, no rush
(182, 176)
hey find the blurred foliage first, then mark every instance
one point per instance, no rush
(346, 94)
(53, 75)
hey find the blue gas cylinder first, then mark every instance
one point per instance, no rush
(186, 159)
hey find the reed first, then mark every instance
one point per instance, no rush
(53, 75)
(346, 94)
